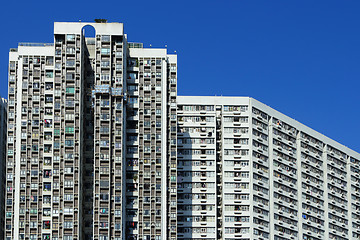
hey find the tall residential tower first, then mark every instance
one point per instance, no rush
(91, 138)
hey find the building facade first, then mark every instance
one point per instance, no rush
(91, 138)
(3, 131)
(246, 171)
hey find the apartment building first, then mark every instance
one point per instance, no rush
(3, 129)
(151, 145)
(91, 138)
(246, 171)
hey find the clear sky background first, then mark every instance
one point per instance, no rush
(300, 57)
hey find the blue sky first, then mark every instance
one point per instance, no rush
(300, 57)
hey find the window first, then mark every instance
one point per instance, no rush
(69, 103)
(70, 37)
(56, 145)
(47, 148)
(133, 100)
(70, 62)
(105, 63)
(47, 186)
(70, 90)
(68, 183)
(105, 77)
(68, 210)
(105, 51)
(68, 197)
(46, 212)
(33, 236)
(69, 116)
(69, 129)
(57, 105)
(132, 150)
(56, 199)
(47, 173)
(105, 38)
(70, 50)
(46, 199)
(47, 161)
(69, 143)
(70, 76)
(68, 224)
(47, 236)
(104, 103)
(49, 99)
(56, 132)
(49, 74)
(132, 87)
(132, 76)
(35, 148)
(46, 224)
(47, 123)
(56, 158)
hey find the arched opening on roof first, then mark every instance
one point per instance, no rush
(88, 31)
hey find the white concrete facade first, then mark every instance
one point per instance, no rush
(273, 177)
(3, 140)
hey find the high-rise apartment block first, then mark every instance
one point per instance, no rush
(246, 171)
(91, 138)
(99, 146)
